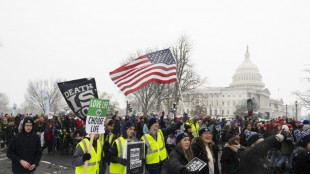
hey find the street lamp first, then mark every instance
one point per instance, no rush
(296, 109)
(286, 110)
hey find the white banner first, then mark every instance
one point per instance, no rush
(46, 103)
(14, 108)
(95, 125)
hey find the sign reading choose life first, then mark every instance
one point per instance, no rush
(96, 115)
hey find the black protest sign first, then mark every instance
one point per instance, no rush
(195, 164)
(78, 94)
(135, 155)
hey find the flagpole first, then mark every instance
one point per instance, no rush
(178, 82)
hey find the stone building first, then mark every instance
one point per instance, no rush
(246, 83)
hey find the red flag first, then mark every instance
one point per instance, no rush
(159, 66)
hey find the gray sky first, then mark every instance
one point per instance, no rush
(78, 39)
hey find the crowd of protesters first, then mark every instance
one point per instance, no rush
(247, 144)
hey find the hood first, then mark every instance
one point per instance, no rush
(28, 120)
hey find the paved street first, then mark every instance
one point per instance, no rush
(50, 164)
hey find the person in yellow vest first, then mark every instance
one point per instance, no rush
(117, 160)
(156, 153)
(107, 144)
(94, 157)
(193, 122)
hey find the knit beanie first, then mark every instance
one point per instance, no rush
(203, 129)
(252, 137)
(127, 124)
(305, 122)
(180, 135)
(186, 127)
(151, 122)
(303, 137)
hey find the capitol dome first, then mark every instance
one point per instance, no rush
(247, 75)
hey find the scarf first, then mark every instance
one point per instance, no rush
(233, 147)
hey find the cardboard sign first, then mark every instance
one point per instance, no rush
(96, 115)
(196, 164)
(134, 152)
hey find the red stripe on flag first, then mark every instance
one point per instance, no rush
(150, 81)
(148, 75)
(143, 71)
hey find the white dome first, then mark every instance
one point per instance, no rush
(247, 75)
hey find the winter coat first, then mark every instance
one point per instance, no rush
(229, 161)
(226, 135)
(199, 152)
(177, 162)
(24, 146)
(301, 161)
(287, 147)
(253, 160)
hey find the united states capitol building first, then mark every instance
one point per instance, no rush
(246, 83)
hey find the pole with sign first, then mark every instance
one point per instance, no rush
(96, 116)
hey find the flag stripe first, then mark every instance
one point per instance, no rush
(149, 80)
(144, 70)
(145, 76)
(125, 69)
(132, 71)
(161, 70)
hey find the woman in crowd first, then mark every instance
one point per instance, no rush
(204, 149)
(229, 159)
(181, 155)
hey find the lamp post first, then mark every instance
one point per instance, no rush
(296, 109)
(286, 110)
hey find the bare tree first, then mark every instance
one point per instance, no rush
(159, 97)
(188, 79)
(4, 102)
(113, 105)
(34, 94)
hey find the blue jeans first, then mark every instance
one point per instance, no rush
(283, 159)
(275, 157)
(32, 172)
(154, 168)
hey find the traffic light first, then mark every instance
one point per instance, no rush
(174, 108)
(129, 108)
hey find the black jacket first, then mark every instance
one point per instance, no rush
(24, 146)
(177, 162)
(229, 161)
(199, 152)
(253, 160)
(301, 161)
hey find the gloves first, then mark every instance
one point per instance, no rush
(185, 117)
(86, 156)
(123, 162)
(282, 135)
(192, 172)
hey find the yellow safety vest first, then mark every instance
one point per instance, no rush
(156, 150)
(195, 129)
(116, 167)
(111, 139)
(94, 162)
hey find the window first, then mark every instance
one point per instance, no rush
(223, 95)
(227, 112)
(223, 103)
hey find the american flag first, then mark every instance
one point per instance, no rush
(157, 67)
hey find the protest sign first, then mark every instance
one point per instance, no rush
(78, 93)
(134, 153)
(96, 115)
(196, 164)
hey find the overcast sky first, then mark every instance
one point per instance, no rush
(77, 39)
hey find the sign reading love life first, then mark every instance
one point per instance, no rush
(96, 115)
